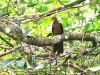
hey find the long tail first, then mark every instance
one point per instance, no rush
(58, 47)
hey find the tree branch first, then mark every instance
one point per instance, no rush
(7, 41)
(47, 41)
(9, 51)
(37, 17)
(59, 38)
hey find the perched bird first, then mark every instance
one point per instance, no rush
(57, 29)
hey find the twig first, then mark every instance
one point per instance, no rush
(7, 41)
(75, 66)
(1, 46)
(68, 57)
(60, 2)
(9, 51)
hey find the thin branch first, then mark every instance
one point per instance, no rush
(88, 51)
(9, 51)
(68, 57)
(37, 17)
(75, 66)
(81, 5)
(60, 2)
(7, 41)
(1, 46)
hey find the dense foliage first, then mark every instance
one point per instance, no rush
(22, 58)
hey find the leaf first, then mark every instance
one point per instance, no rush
(81, 18)
(31, 4)
(7, 62)
(89, 27)
(49, 34)
(17, 18)
(17, 28)
(3, 14)
(4, 9)
(97, 38)
(42, 9)
(28, 32)
(95, 68)
(48, 1)
(22, 10)
(98, 16)
(31, 59)
(39, 67)
(21, 62)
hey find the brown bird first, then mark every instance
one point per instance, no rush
(57, 29)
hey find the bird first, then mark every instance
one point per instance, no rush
(57, 29)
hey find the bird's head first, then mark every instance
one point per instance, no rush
(54, 18)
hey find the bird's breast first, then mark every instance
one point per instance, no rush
(57, 30)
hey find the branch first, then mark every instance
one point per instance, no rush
(60, 38)
(76, 67)
(47, 41)
(9, 51)
(37, 17)
(61, 2)
(7, 41)
(75, 56)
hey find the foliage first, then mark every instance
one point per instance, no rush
(82, 18)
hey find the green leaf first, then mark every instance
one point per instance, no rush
(28, 32)
(3, 14)
(97, 38)
(4, 9)
(17, 18)
(98, 16)
(7, 62)
(89, 27)
(94, 68)
(22, 10)
(48, 1)
(21, 62)
(70, 21)
(49, 34)
(39, 67)
(42, 9)
(92, 6)
(81, 17)
(31, 4)
(17, 28)
(65, 1)
(31, 59)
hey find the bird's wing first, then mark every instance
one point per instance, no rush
(61, 27)
(52, 30)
